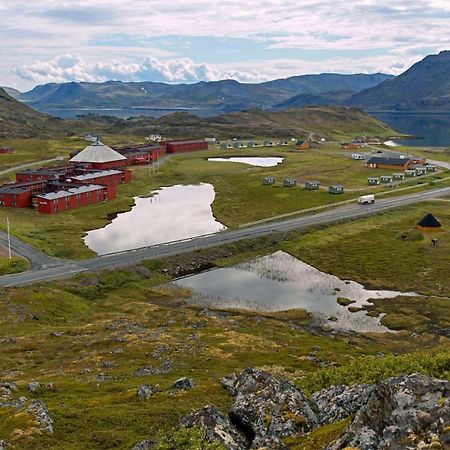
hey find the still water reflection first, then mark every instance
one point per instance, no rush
(253, 161)
(281, 282)
(172, 213)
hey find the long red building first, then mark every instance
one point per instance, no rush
(72, 198)
(186, 146)
(20, 195)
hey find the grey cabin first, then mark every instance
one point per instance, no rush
(336, 189)
(312, 185)
(268, 181)
(289, 182)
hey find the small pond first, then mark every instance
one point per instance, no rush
(280, 282)
(252, 161)
(172, 213)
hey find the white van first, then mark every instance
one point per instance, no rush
(366, 199)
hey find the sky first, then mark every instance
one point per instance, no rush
(186, 41)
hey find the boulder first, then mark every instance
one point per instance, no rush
(3, 445)
(401, 413)
(216, 427)
(33, 386)
(268, 409)
(146, 391)
(183, 384)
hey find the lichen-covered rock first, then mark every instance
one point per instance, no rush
(3, 445)
(183, 384)
(401, 413)
(33, 386)
(144, 445)
(339, 402)
(216, 427)
(268, 409)
(39, 409)
(146, 391)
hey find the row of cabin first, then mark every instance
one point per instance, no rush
(250, 144)
(6, 150)
(310, 185)
(418, 171)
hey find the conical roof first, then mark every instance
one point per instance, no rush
(97, 153)
(429, 221)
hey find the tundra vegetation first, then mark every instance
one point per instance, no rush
(92, 341)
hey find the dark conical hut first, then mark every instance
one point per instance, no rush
(429, 223)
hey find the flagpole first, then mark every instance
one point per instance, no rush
(9, 238)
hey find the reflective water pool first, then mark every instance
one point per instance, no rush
(172, 213)
(252, 161)
(281, 282)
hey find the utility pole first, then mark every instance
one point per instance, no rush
(9, 238)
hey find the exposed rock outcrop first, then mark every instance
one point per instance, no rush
(268, 409)
(339, 402)
(39, 409)
(402, 413)
(217, 427)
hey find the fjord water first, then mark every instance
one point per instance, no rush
(433, 128)
(172, 213)
(281, 282)
(252, 161)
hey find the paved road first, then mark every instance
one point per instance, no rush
(347, 212)
(38, 260)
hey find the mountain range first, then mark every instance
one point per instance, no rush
(220, 95)
(423, 87)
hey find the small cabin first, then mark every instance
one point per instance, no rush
(373, 181)
(312, 185)
(421, 171)
(336, 189)
(252, 144)
(267, 181)
(410, 173)
(239, 145)
(269, 144)
(284, 143)
(431, 168)
(226, 146)
(386, 178)
(398, 176)
(289, 182)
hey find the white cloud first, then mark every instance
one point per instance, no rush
(74, 68)
(395, 32)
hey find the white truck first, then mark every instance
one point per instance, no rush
(366, 199)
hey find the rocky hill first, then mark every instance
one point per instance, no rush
(329, 122)
(19, 120)
(224, 94)
(423, 87)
